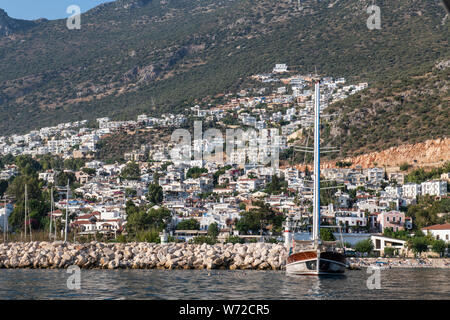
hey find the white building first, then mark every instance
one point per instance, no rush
(3, 219)
(280, 68)
(434, 188)
(411, 190)
(439, 231)
(351, 218)
(394, 191)
(375, 175)
(381, 242)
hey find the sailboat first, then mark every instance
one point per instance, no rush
(314, 257)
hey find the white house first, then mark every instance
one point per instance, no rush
(439, 231)
(280, 68)
(351, 218)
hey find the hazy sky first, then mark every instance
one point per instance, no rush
(50, 9)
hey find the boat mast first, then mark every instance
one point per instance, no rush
(51, 214)
(67, 210)
(5, 222)
(25, 221)
(316, 205)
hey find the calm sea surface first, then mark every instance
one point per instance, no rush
(218, 284)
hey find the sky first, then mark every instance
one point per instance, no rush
(50, 9)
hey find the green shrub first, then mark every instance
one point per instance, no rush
(364, 246)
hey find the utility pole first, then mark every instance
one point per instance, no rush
(67, 210)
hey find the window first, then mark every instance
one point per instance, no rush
(393, 219)
(446, 237)
(387, 219)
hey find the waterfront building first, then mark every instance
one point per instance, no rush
(381, 242)
(439, 231)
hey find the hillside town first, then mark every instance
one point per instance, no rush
(206, 190)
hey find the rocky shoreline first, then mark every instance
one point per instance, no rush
(256, 256)
(97, 255)
(358, 263)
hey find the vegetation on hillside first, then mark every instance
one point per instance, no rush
(407, 108)
(132, 56)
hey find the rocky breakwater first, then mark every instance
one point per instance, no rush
(257, 256)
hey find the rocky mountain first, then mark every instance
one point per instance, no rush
(432, 153)
(135, 56)
(408, 108)
(8, 25)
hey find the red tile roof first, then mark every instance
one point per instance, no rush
(445, 226)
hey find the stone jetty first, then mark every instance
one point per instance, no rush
(97, 255)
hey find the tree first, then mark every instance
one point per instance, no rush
(129, 192)
(3, 187)
(27, 165)
(364, 246)
(16, 188)
(159, 218)
(327, 235)
(203, 239)
(131, 171)
(73, 164)
(90, 171)
(439, 246)
(261, 217)
(189, 224)
(276, 186)
(418, 245)
(37, 205)
(62, 177)
(389, 251)
(155, 193)
(195, 172)
(139, 219)
(213, 230)
(405, 166)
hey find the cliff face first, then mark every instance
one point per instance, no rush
(428, 153)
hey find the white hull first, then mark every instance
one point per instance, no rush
(309, 267)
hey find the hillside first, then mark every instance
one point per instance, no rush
(409, 108)
(431, 153)
(9, 26)
(134, 56)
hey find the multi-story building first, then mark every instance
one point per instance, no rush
(394, 191)
(411, 190)
(375, 175)
(351, 218)
(434, 188)
(391, 219)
